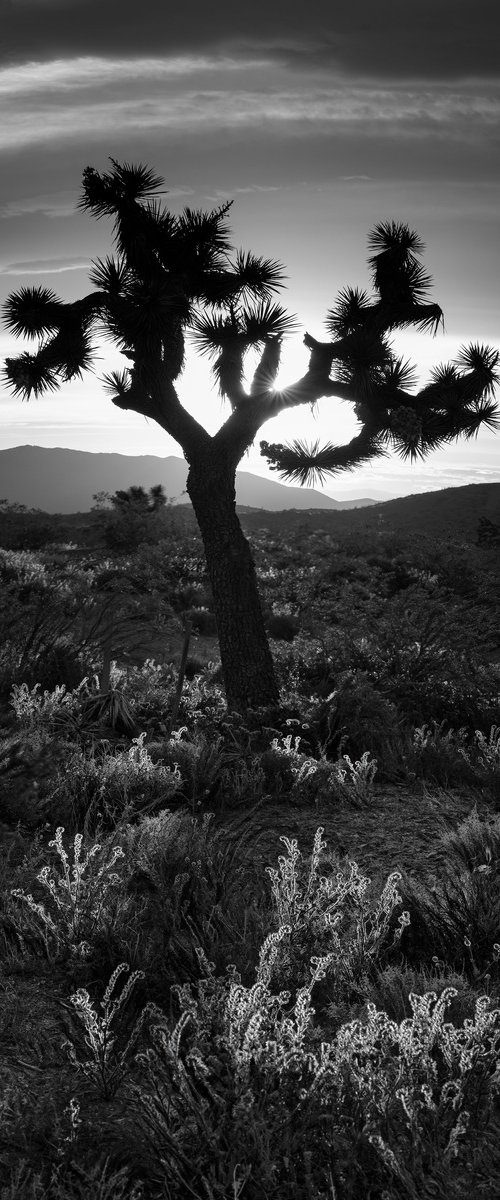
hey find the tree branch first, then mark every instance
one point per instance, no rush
(151, 393)
(311, 464)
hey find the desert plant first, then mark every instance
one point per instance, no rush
(41, 715)
(179, 274)
(320, 778)
(455, 910)
(335, 914)
(242, 1080)
(441, 754)
(105, 783)
(79, 895)
(108, 1064)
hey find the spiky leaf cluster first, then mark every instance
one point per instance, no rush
(401, 287)
(167, 270)
(308, 465)
(172, 274)
(226, 339)
(457, 401)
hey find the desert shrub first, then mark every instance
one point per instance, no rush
(455, 912)
(43, 714)
(203, 705)
(482, 758)
(101, 784)
(286, 766)
(188, 884)
(105, 711)
(149, 690)
(333, 914)
(25, 530)
(125, 532)
(390, 986)
(202, 621)
(357, 717)
(282, 626)
(28, 768)
(420, 653)
(55, 622)
(441, 755)
(73, 899)
(488, 749)
(109, 1047)
(202, 761)
(242, 784)
(241, 1091)
(65, 1176)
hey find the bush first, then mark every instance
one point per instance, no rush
(202, 621)
(78, 897)
(282, 626)
(102, 785)
(455, 913)
(357, 718)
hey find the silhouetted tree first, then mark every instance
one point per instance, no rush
(138, 500)
(132, 516)
(177, 275)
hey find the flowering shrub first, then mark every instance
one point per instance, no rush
(423, 1072)
(440, 754)
(23, 566)
(321, 779)
(157, 842)
(455, 911)
(108, 1064)
(245, 1090)
(79, 894)
(40, 712)
(333, 914)
(203, 704)
(489, 750)
(113, 782)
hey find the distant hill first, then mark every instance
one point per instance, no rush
(64, 481)
(452, 513)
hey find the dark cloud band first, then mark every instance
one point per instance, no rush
(449, 40)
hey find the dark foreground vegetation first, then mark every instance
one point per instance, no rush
(249, 958)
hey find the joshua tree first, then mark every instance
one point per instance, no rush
(138, 500)
(177, 279)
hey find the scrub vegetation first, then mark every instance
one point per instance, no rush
(244, 958)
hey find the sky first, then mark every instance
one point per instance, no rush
(318, 120)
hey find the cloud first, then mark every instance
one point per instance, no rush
(58, 204)
(45, 266)
(55, 76)
(452, 39)
(94, 99)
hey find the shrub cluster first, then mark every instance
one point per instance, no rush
(178, 1020)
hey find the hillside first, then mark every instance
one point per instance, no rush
(64, 481)
(453, 513)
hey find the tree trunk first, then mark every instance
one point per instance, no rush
(246, 659)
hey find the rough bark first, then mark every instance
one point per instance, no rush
(246, 659)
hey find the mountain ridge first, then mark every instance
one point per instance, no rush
(58, 480)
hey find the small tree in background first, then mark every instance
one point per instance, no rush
(132, 516)
(177, 275)
(138, 500)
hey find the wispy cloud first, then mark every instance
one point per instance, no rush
(78, 74)
(50, 102)
(45, 266)
(451, 39)
(58, 204)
